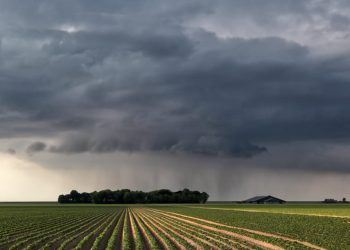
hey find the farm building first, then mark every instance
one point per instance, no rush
(264, 200)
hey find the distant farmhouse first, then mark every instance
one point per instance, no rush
(264, 200)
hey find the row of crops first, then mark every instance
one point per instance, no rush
(113, 227)
(313, 209)
(325, 231)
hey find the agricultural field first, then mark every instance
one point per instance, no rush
(316, 209)
(52, 226)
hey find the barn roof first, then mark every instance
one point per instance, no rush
(255, 198)
(263, 198)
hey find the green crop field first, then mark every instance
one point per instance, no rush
(214, 226)
(317, 209)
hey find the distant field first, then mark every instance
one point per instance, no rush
(214, 226)
(303, 209)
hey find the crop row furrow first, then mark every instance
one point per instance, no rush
(105, 234)
(185, 241)
(60, 233)
(54, 243)
(242, 237)
(73, 240)
(151, 242)
(162, 238)
(14, 225)
(115, 240)
(203, 235)
(269, 238)
(220, 240)
(127, 239)
(14, 228)
(24, 227)
(18, 235)
(138, 239)
(39, 233)
(90, 237)
(191, 234)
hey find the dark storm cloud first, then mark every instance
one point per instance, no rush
(214, 146)
(36, 147)
(147, 76)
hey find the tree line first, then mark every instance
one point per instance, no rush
(126, 196)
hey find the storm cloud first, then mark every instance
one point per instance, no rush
(229, 78)
(36, 147)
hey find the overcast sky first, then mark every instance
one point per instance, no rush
(236, 98)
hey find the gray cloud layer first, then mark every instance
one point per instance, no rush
(36, 147)
(162, 76)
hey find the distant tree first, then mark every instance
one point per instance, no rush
(103, 197)
(85, 198)
(75, 196)
(63, 199)
(95, 197)
(204, 197)
(330, 200)
(126, 196)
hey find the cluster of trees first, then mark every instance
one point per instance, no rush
(126, 196)
(331, 200)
